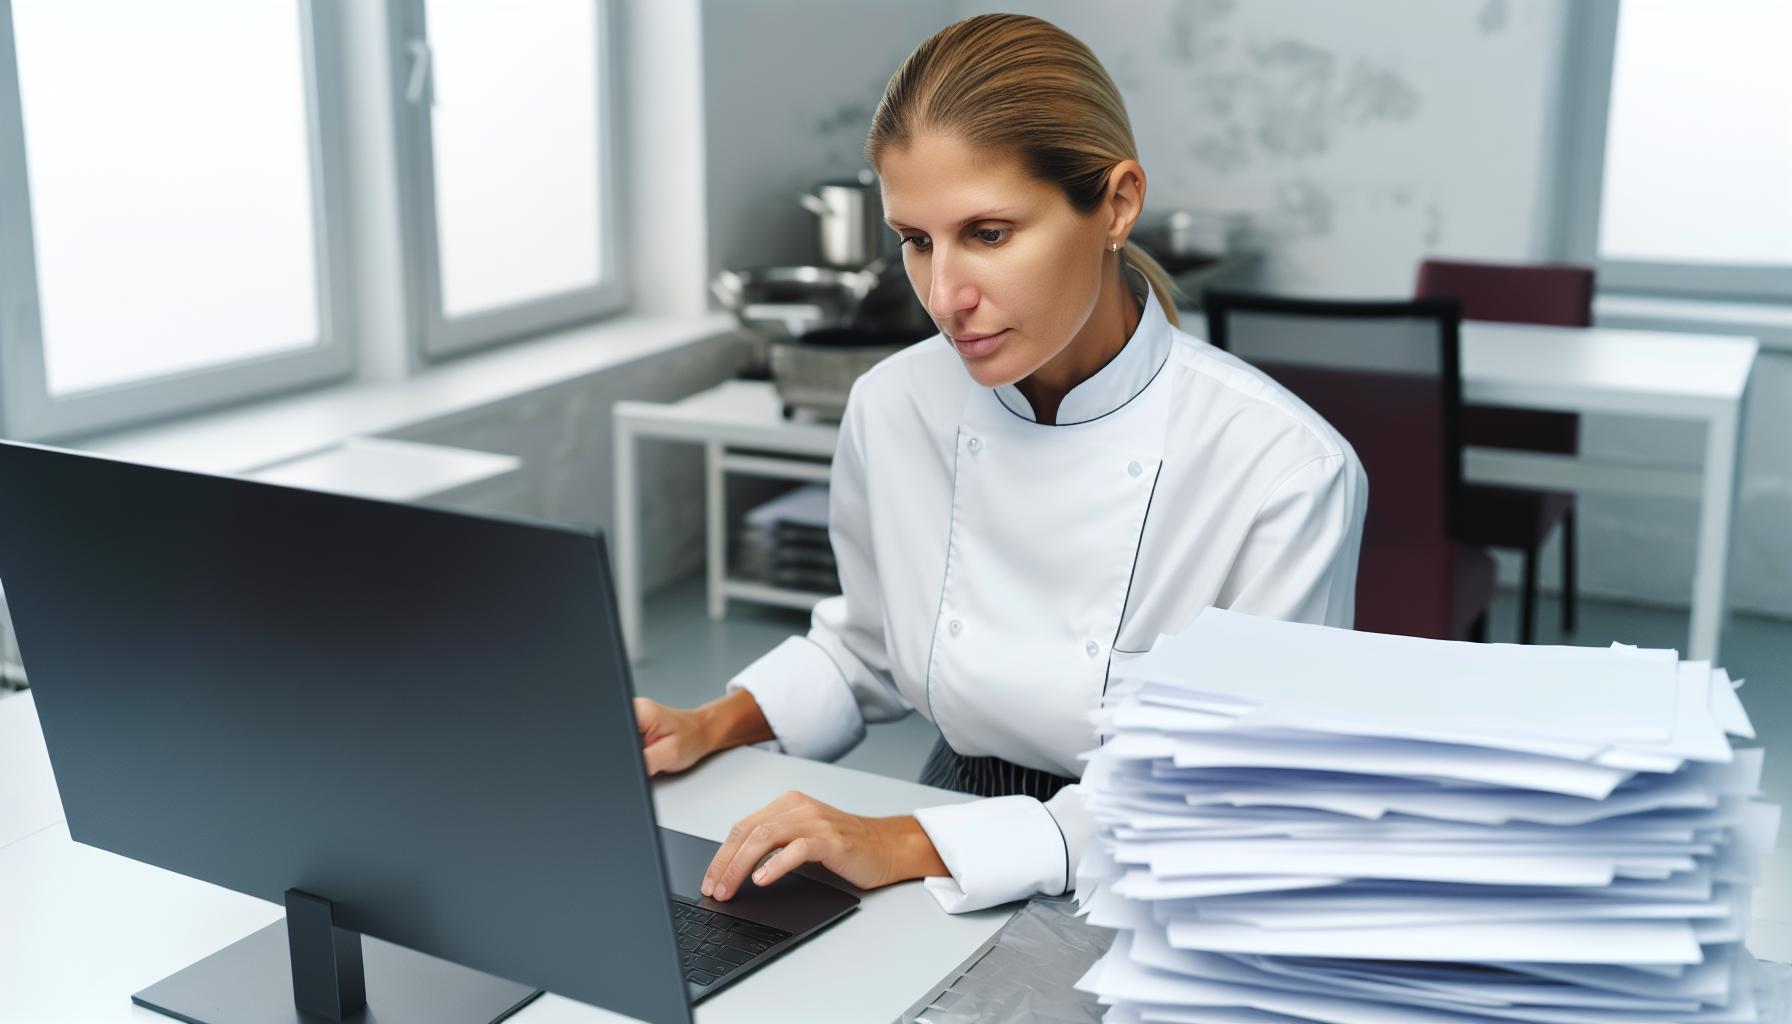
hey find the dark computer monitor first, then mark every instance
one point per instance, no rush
(401, 722)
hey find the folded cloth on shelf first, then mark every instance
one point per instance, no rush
(1300, 823)
(784, 542)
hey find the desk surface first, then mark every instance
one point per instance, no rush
(1605, 369)
(84, 928)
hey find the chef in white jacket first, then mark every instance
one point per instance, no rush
(1043, 488)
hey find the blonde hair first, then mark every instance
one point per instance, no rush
(1019, 84)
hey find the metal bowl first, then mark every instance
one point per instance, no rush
(787, 302)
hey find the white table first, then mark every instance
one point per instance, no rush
(1654, 374)
(82, 929)
(742, 429)
(395, 470)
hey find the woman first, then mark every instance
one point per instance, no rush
(1054, 480)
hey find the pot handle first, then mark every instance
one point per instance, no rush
(863, 280)
(728, 288)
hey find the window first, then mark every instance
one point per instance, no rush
(507, 129)
(170, 231)
(1684, 176)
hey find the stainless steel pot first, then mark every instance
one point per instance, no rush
(851, 221)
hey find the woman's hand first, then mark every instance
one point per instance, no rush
(868, 852)
(673, 739)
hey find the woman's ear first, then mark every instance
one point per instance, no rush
(1125, 198)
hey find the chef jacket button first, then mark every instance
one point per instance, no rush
(1092, 648)
(955, 626)
(974, 444)
(1134, 468)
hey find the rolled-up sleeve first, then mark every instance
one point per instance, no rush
(1005, 848)
(818, 691)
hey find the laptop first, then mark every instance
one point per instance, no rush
(720, 943)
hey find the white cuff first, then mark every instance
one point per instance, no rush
(998, 849)
(805, 700)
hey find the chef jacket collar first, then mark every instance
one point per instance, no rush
(1125, 375)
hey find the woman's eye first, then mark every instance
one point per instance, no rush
(998, 233)
(919, 242)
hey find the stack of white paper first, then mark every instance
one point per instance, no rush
(1298, 823)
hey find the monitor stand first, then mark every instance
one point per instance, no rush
(305, 970)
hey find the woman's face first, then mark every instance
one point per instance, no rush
(1008, 269)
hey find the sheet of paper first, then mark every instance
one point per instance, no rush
(1726, 707)
(1402, 758)
(1576, 694)
(1635, 942)
(1506, 869)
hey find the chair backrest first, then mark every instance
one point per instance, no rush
(1557, 294)
(1386, 375)
(1520, 293)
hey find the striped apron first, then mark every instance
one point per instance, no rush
(988, 776)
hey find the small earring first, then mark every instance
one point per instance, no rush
(1115, 247)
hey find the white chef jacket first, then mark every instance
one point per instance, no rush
(993, 567)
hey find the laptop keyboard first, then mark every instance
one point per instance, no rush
(710, 945)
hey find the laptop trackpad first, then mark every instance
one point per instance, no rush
(795, 903)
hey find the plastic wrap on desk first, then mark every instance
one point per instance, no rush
(1026, 977)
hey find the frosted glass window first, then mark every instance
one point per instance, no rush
(515, 131)
(1698, 162)
(167, 154)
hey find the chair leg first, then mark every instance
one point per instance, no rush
(1568, 595)
(1527, 619)
(1477, 630)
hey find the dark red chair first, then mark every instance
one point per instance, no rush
(1518, 518)
(1386, 376)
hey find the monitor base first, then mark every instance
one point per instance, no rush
(250, 982)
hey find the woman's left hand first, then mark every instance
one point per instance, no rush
(868, 852)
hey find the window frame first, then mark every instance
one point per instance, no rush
(28, 410)
(434, 335)
(1591, 57)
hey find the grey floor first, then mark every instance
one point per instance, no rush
(689, 657)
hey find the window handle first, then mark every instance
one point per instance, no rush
(420, 73)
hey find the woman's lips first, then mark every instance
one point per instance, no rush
(979, 345)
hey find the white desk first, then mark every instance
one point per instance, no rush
(28, 799)
(81, 929)
(393, 470)
(1654, 374)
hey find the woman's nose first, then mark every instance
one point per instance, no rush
(949, 293)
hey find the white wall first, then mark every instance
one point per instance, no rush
(1359, 136)
(789, 89)
(1363, 136)
(563, 436)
